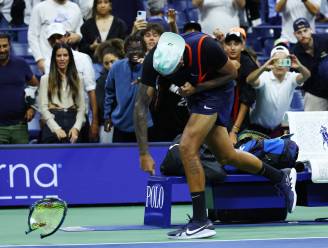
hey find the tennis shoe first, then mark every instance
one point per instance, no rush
(287, 188)
(194, 230)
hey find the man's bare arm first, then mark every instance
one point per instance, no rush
(144, 96)
(227, 73)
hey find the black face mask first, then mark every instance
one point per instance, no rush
(134, 52)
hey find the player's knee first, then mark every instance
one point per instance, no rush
(187, 151)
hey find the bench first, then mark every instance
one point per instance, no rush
(242, 197)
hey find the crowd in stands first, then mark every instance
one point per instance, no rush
(86, 59)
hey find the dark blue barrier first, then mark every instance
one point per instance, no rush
(79, 174)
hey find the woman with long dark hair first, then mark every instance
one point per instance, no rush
(61, 98)
(101, 27)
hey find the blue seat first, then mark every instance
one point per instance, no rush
(20, 49)
(297, 103)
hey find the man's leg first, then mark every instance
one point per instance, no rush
(219, 142)
(193, 136)
(19, 134)
(4, 135)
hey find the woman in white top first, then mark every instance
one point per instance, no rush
(61, 98)
(275, 85)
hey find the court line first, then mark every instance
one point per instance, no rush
(164, 242)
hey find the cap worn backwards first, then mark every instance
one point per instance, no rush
(237, 36)
(168, 53)
(55, 28)
(281, 49)
(300, 23)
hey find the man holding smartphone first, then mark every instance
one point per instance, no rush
(274, 85)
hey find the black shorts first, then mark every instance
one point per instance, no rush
(216, 101)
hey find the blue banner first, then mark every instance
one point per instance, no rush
(79, 174)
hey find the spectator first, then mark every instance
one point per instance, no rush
(219, 14)
(275, 85)
(101, 27)
(61, 98)
(185, 11)
(86, 8)
(157, 13)
(45, 13)
(127, 10)
(140, 24)
(14, 113)
(291, 10)
(120, 91)
(56, 34)
(151, 35)
(28, 10)
(5, 17)
(234, 45)
(107, 53)
(192, 27)
(312, 50)
(323, 15)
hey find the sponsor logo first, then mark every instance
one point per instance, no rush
(43, 175)
(205, 107)
(155, 196)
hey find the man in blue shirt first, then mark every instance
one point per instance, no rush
(14, 112)
(121, 90)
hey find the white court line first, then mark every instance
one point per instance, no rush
(52, 196)
(164, 242)
(36, 196)
(6, 197)
(21, 197)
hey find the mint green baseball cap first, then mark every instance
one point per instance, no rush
(168, 53)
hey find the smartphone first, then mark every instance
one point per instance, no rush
(284, 62)
(141, 15)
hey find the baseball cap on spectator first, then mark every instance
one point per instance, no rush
(240, 30)
(300, 23)
(192, 25)
(281, 49)
(55, 28)
(236, 36)
(168, 53)
(281, 42)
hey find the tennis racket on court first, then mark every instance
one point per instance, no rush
(47, 215)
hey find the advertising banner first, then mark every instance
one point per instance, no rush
(79, 174)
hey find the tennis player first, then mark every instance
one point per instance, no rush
(196, 63)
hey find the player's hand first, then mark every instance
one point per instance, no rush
(296, 64)
(94, 131)
(73, 38)
(187, 89)
(29, 114)
(60, 133)
(218, 34)
(235, 63)
(171, 16)
(233, 137)
(73, 135)
(41, 65)
(147, 164)
(139, 25)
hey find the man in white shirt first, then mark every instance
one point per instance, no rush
(5, 7)
(293, 9)
(275, 85)
(45, 13)
(56, 33)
